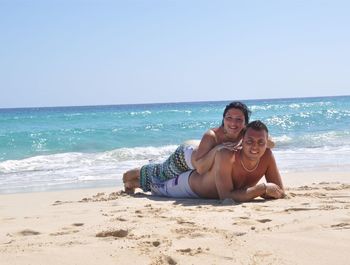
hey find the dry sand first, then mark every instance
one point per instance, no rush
(310, 226)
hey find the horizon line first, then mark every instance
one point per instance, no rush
(161, 103)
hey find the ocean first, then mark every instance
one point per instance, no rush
(44, 149)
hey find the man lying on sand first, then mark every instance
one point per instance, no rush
(189, 157)
(234, 174)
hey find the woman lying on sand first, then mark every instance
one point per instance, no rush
(187, 157)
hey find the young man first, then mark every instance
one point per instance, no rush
(187, 157)
(234, 175)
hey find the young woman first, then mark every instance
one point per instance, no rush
(187, 157)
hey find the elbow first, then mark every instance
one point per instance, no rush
(238, 197)
(200, 170)
(203, 167)
(200, 167)
(229, 196)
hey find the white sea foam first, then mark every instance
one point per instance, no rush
(284, 122)
(142, 113)
(71, 170)
(315, 159)
(282, 140)
(263, 107)
(180, 111)
(334, 139)
(75, 170)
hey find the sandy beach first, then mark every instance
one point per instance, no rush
(106, 226)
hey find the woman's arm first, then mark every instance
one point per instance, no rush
(203, 157)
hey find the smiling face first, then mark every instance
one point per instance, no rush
(234, 122)
(254, 143)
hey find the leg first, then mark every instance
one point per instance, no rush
(131, 179)
(171, 168)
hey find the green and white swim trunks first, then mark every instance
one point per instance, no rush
(178, 162)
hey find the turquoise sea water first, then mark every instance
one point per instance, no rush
(73, 147)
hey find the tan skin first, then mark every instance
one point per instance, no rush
(228, 179)
(227, 136)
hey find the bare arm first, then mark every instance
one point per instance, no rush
(224, 182)
(203, 157)
(273, 176)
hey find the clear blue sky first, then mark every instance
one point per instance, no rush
(67, 52)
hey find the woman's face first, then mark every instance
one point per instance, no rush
(234, 122)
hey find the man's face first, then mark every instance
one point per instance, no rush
(254, 143)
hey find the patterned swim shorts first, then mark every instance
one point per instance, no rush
(177, 163)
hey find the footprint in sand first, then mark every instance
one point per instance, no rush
(190, 251)
(67, 230)
(341, 226)
(297, 209)
(29, 232)
(163, 260)
(170, 260)
(8, 219)
(121, 219)
(156, 243)
(61, 202)
(245, 222)
(64, 233)
(239, 233)
(78, 224)
(101, 196)
(113, 233)
(264, 220)
(182, 221)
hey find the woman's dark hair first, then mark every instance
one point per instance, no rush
(240, 106)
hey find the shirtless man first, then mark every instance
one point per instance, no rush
(187, 157)
(234, 175)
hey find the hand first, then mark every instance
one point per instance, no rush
(273, 191)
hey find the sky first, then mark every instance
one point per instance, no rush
(72, 53)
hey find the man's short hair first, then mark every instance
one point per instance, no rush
(240, 106)
(257, 126)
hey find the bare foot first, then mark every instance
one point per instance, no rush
(129, 190)
(131, 180)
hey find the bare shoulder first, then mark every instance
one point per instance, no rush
(268, 156)
(268, 152)
(210, 133)
(209, 137)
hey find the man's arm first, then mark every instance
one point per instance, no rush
(273, 176)
(224, 180)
